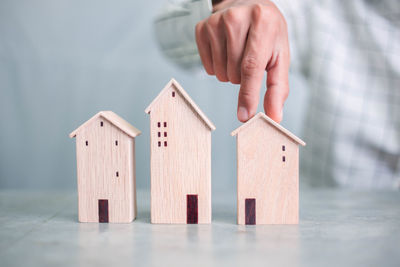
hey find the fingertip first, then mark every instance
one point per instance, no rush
(274, 101)
(242, 114)
(275, 115)
(248, 100)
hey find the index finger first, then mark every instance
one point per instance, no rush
(255, 58)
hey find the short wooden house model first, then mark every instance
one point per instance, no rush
(180, 136)
(105, 152)
(267, 172)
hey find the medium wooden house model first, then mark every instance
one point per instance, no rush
(105, 153)
(180, 136)
(267, 172)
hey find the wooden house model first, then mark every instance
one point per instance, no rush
(105, 153)
(267, 172)
(180, 137)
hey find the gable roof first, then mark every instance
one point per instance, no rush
(261, 115)
(183, 93)
(114, 119)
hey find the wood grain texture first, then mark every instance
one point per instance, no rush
(116, 120)
(109, 151)
(179, 89)
(264, 176)
(181, 161)
(276, 125)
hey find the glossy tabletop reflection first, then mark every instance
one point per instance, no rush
(337, 228)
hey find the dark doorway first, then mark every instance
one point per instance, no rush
(250, 205)
(103, 210)
(192, 209)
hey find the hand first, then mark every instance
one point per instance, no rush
(239, 42)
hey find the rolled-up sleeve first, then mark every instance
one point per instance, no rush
(175, 31)
(298, 15)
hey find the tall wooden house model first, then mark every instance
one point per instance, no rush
(180, 136)
(105, 152)
(267, 172)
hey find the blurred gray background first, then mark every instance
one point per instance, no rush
(63, 61)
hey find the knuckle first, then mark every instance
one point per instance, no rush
(231, 16)
(250, 64)
(246, 96)
(259, 12)
(267, 14)
(229, 21)
(213, 21)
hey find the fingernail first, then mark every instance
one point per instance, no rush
(242, 114)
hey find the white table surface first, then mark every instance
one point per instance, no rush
(337, 228)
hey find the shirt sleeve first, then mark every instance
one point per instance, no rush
(298, 17)
(175, 34)
(175, 30)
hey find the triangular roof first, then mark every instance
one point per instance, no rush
(185, 95)
(261, 115)
(114, 119)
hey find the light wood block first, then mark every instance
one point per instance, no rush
(105, 153)
(180, 137)
(267, 173)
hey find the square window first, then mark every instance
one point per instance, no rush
(165, 143)
(117, 174)
(116, 142)
(283, 158)
(165, 124)
(173, 94)
(159, 124)
(101, 124)
(87, 143)
(159, 143)
(165, 134)
(283, 148)
(159, 134)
